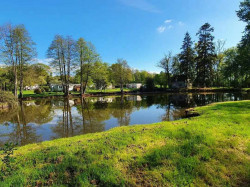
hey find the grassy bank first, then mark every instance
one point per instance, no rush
(31, 94)
(211, 149)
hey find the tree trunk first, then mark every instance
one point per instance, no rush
(82, 91)
(121, 88)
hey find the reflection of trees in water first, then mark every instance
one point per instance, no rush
(81, 116)
(123, 109)
(67, 124)
(20, 121)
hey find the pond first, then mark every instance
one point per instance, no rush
(46, 119)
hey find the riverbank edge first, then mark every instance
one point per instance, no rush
(136, 140)
(102, 94)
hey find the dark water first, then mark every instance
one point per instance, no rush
(46, 119)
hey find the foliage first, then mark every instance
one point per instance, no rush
(150, 84)
(140, 76)
(121, 73)
(166, 64)
(244, 45)
(205, 56)
(100, 75)
(201, 151)
(187, 56)
(45, 88)
(7, 97)
(38, 90)
(17, 51)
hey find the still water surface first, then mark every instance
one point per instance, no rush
(47, 119)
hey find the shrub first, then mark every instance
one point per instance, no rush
(7, 97)
(150, 85)
(38, 90)
(46, 88)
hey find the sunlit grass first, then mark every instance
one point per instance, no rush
(212, 149)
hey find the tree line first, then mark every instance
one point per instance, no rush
(204, 63)
(207, 63)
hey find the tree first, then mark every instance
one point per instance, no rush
(56, 52)
(205, 56)
(81, 48)
(24, 52)
(176, 65)
(150, 84)
(231, 70)
(186, 58)
(121, 73)
(70, 60)
(4, 78)
(62, 52)
(17, 50)
(160, 79)
(91, 57)
(244, 45)
(219, 50)
(8, 50)
(166, 64)
(36, 74)
(100, 75)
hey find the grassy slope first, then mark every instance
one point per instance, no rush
(212, 149)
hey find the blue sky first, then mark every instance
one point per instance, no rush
(140, 31)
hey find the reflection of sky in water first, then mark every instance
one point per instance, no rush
(105, 113)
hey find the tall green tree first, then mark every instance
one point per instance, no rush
(230, 69)
(56, 52)
(166, 64)
(187, 56)
(219, 50)
(244, 45)
(24, 52)
(81, 48)
(7, 47)
(91, 57)
(121, 73)
(70, 45)
(100, 75)
(205, 56)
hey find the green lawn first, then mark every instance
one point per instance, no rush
(112, 90)
(212, 149)
(30, 93)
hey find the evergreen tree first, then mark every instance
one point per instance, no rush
(205, 56)
(243, 57)
(186, 58)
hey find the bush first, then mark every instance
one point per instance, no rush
(46, 88)
(7, 97)
(150, 85)
(38, 90)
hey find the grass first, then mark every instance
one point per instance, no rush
(30, 93)
(212, 149)
(112, 90)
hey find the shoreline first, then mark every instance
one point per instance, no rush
(103, 94)
(140, 154)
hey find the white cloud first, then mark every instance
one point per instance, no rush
(161, 29)
(165, 26)
(141, 4)
(168, 21)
